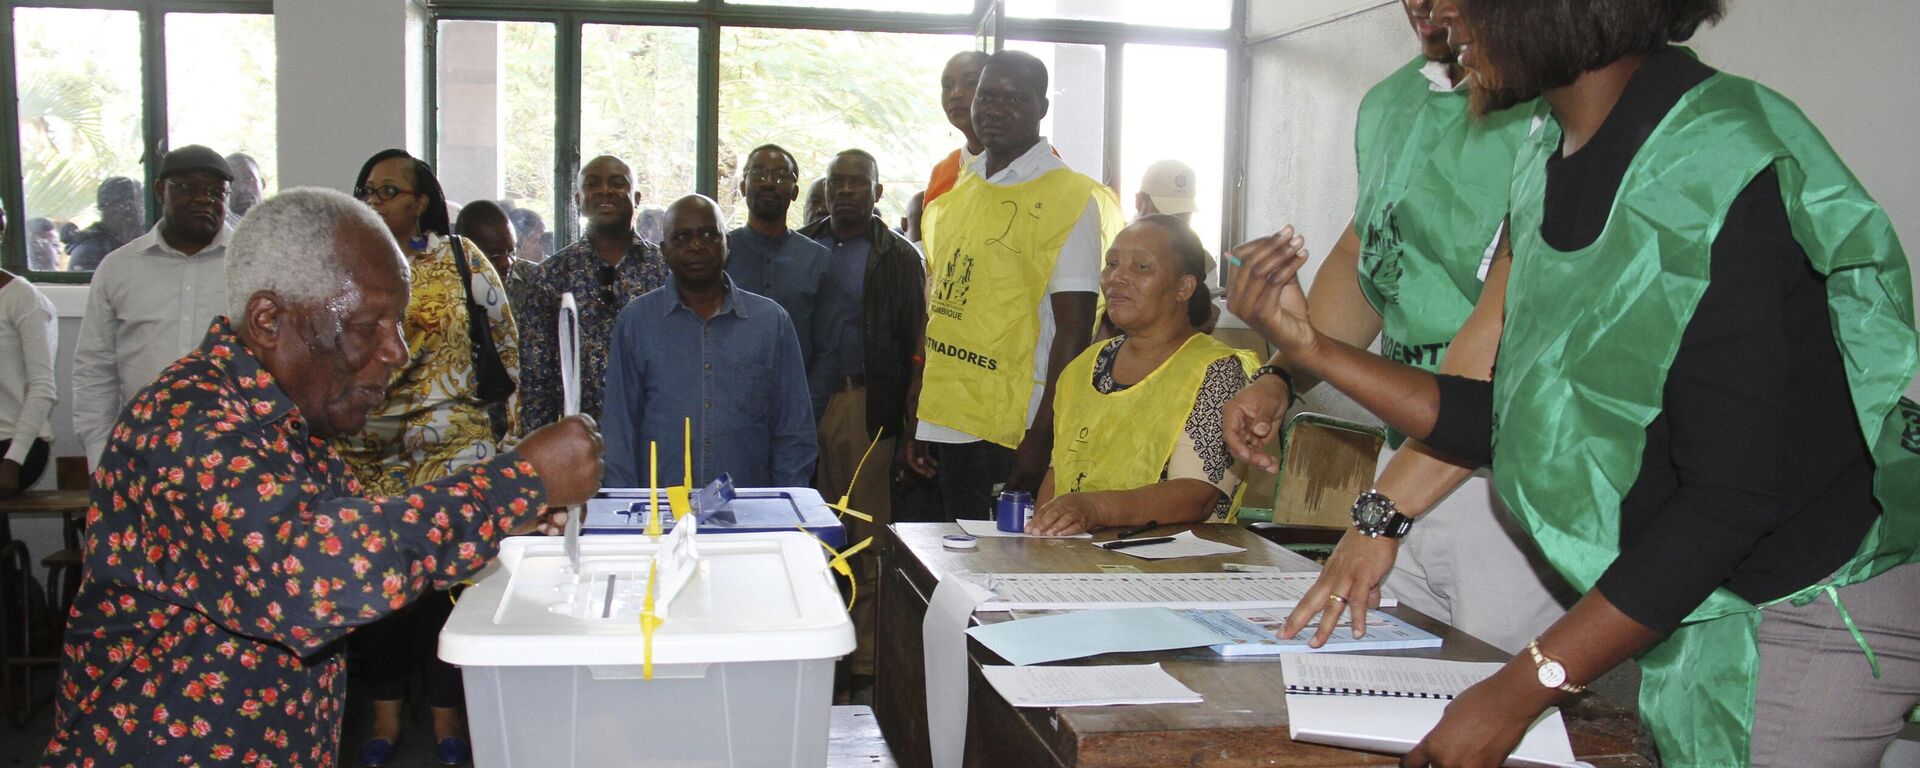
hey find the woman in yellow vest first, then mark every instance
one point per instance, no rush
(1137, 418)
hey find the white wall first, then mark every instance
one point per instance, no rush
(1846, 62)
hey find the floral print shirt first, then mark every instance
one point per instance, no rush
(577, 268)
(227, 553)
(431, 423)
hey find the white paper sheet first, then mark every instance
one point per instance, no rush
(943, 635)
(1047, 591)
(1088, 686)
(1078, 634)
(984, 529)
(569, 338)
(1184, 544)
(1384, 675)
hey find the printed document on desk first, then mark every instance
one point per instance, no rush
(1052, 591)
(1257, 633)
(1094, 686)
(1388, 704)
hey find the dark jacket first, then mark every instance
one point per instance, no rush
(893, 314)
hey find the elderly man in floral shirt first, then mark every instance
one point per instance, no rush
(228, 548)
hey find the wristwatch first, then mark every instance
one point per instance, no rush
(1551, 674)
(1375, 515)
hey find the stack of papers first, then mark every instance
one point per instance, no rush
(1257, 633)
(1053, 591)
(1088, 686)
(1388, 704)
(1077, 634)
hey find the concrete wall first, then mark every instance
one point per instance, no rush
(352, 81)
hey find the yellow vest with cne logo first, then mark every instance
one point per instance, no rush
(1122, 440)
(992, 250)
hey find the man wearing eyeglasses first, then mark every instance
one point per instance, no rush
(611, 267)
(768, 259)
(151, 299)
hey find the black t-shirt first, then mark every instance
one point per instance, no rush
(1755, 475)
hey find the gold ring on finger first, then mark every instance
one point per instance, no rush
(1337, 599)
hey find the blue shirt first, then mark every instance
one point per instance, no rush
(841, 353)
(737, 375)
(790, 269)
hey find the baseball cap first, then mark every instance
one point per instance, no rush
(194, 157)
(1170, 183)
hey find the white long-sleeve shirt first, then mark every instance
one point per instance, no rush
(27, 387)
(149, 305)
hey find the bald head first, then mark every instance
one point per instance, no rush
(694, 247)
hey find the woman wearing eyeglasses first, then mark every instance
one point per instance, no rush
(433, 421)
(1696, 410)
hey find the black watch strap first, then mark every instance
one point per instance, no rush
(1293, 394)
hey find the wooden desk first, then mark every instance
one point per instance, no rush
(1243, 721)
(69, 503)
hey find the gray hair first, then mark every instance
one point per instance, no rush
(289, 244)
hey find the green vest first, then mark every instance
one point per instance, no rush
(1573, 365)
(1433, 193)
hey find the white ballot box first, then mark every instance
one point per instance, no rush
(742, 658)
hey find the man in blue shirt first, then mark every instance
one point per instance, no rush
(701, 348)
(768, 259)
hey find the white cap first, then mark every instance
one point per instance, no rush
(1170, 183)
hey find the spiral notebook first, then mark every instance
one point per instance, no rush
(1394, 676)
(1388, 704)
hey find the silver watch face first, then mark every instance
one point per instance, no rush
(1371, 511)
(1552, 675)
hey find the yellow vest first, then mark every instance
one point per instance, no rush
(1123, 440)
(992, 250)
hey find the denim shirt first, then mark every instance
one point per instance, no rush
(790, 269)
(738, 375)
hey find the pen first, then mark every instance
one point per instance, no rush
(1130, 532)
(1117, 544)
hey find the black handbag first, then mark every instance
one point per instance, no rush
(492, 383)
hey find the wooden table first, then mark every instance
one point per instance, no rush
(1243, 721)
(16, 695)
(69, 503)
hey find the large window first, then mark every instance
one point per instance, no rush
(682, 92)
(85, 110)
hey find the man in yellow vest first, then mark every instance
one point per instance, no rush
(1015, 252)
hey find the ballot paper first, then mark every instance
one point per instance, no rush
(569, 338)
(943, 638)
(1184, 544)
(1049, 591)
(1088, 686)
(986, 529)
(1077, 634)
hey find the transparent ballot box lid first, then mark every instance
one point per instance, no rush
(625, 510)
(745, 597)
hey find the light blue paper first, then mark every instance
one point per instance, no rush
(1077, 634)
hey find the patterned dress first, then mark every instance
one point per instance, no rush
(600, 293)
(430, 423)
(227, 551)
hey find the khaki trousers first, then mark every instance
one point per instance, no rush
(843, 439)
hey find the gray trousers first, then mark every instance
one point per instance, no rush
(1818, 703)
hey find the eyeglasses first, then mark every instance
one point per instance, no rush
(685, 238)
(197, 192)
(608, 278)
(380, 194)
(763, 176)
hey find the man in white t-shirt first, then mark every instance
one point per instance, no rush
(1015, 252)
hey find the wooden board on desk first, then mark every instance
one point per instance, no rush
(1243, 721)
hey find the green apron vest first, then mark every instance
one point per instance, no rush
(992, 249)
(1580, 379)
(1433, 193)
(1122, 440)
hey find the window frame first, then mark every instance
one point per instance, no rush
(153, 91)
(987, 21)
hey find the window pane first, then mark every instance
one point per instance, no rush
(908, 6)
(495, 85)
(1077, 90)
(639, 96)
(1174, 102)
(816, 93)
(220, 92)
(78, 83)
(1193, 14)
